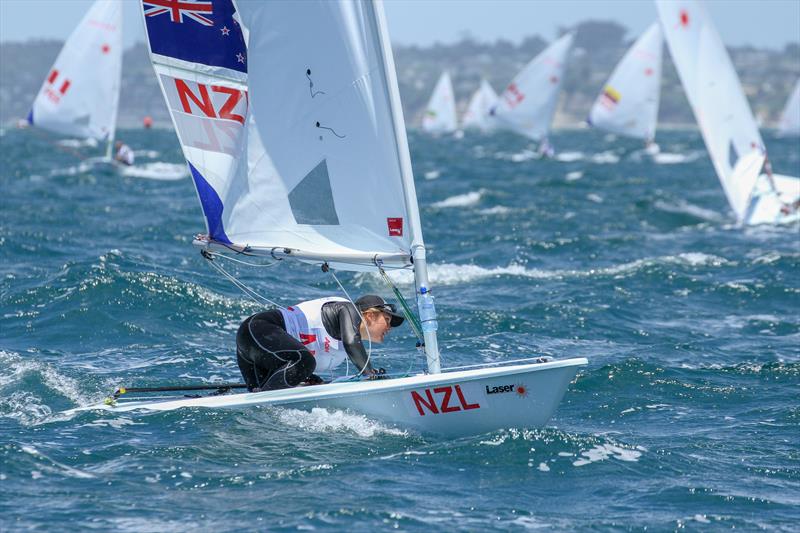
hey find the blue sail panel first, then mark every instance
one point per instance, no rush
(212, 207)
(198, 31)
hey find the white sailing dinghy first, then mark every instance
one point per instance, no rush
(480, 105)
(789, 124)
(629, 102)
(440, 113)
(318, 170)
(80, 95)
(528, 104)
(735, 146)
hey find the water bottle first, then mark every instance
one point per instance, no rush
(427, 310)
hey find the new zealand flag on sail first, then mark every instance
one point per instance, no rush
(199, 31)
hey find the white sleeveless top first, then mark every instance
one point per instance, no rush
(304, 323)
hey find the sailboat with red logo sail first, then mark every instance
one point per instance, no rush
(292, 127)
(80, 95)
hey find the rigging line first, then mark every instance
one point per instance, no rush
(253, 295)
(363, 320)
(413, 321)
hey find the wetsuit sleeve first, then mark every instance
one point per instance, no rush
(349, 322)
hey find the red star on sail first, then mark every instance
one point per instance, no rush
(648, 72)
(554, 79)
(105, 48)
(684, 18)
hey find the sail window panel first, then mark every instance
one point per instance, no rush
(312, 198)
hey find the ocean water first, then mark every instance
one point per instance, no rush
(687, 416)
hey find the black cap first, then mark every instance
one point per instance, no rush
(370, 301)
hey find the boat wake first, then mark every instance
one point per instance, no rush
(667, 158)
(685, 208)
(320, 420)
(78, 143)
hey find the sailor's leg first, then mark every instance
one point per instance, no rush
(284, 360)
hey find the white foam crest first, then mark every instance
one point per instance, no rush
(152, 154)
(569, 157)
(452, 274)
(156, 171)
(605, 158)
(685, 208)
(574, 175)
(668, 158)
(432, 174)
(496, 210)
(77, 143)
(323, 421)
(57, 467)
(601, 452)
(24, 407)
(81, 168)
(461, 200)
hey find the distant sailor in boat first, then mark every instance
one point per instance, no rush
(124, 153)
(282, 348)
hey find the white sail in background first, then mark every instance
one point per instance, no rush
(715, 94)
(629, 102)
(80, 94)
(480, 106)
(440, 113)
(790, 118)
(529, 102)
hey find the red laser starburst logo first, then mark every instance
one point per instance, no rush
(521, 390)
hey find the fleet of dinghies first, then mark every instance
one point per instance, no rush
(80, 95)
(628, 104)
(298, 152)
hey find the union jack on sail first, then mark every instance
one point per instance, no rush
(194, 9)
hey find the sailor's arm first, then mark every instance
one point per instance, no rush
(349, 323)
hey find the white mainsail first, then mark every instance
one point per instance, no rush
(318, 167)
(480, 106)
(629, 102)
(790, 118)
(440, 113)
(529, 102)
(715, 94)
(80, 94)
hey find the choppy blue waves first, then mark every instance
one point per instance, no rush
(687, 415)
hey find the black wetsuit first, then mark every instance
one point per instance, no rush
(270, 358)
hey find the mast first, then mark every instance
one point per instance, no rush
(417, 244)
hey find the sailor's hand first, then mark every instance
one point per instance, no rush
(376, 373)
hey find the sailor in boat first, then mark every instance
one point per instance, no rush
(123, 153)
(282, 348)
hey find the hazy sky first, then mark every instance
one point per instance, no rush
(762, 23)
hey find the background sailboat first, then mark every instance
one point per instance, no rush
(440, 113)
(790, 117)
(528, 104)
(628, 104)
(731, 135)
(479, 108)
(80, 95)
(318, 169)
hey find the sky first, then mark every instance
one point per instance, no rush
(761, 23)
